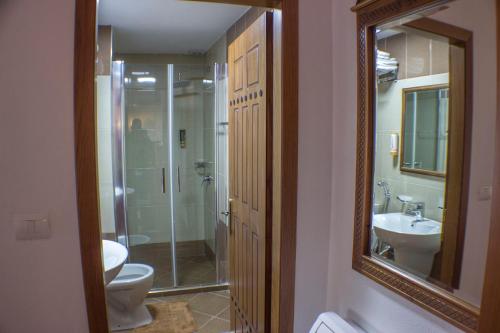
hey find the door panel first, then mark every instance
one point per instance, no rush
(248, 164)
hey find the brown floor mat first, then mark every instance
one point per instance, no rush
(172, 317)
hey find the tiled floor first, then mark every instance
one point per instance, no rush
(194, 266)
(210, 309)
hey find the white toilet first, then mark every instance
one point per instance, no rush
(125, 297)
(330, 322)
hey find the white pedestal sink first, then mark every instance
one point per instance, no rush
(414, 243)
(114, 256)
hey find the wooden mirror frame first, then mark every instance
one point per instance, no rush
(403, 168)
(430, 297)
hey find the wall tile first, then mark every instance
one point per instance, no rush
(440, 57)
(396, 46)
(417, 56)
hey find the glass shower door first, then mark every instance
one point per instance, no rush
(222, 172)
(193, 166)
(166, 172)
(146, 169)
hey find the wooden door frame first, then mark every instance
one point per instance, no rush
(490, 302)
(285, 219)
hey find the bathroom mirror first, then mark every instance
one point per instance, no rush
(413, 155)
(424, 130)
(411, 201)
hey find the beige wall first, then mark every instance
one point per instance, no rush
(314, 161)
(41, 281)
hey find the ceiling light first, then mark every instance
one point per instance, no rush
(146, 79)
(140, 73)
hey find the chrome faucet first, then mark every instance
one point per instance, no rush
(416, 209)
(207, 180)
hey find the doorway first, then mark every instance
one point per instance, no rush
(170, 175)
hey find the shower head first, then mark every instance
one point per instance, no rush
(385, 187)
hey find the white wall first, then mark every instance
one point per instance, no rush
(314, 169)
(41, 288)
(351, 294)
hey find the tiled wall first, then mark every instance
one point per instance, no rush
(146, 153)
(104, 130)
(190, 111)
(417, 54)
(104, 155)
(422, 188)
(148, 208)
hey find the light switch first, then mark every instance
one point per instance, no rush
(485, 193)
(32, 226)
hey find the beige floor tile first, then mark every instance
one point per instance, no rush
(224, 314)
(223, 293)
(215, 325)
(201, 318)
(208, 303)
(176, 298)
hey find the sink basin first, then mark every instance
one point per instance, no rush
(114, 256)
(414, 243)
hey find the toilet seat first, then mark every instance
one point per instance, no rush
(130, 274)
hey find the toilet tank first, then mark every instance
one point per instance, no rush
(330, 322)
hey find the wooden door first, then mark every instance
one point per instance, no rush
(249, 59)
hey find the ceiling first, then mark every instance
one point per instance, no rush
(166, 26)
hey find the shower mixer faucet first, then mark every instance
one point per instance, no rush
(207, 180)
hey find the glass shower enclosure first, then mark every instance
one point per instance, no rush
(165, 170)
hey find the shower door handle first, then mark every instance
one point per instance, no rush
(163, 185)
(179, 179)
(229, 219)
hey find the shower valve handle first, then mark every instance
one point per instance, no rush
(207, 179)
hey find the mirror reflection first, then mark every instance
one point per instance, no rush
(416, 74)
(424, 129)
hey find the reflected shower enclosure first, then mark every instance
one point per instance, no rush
(166, 146)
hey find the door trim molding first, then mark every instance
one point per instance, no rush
(86, 165)
(284, 227)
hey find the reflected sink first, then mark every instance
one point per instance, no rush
(113, 256)
(414, 243)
